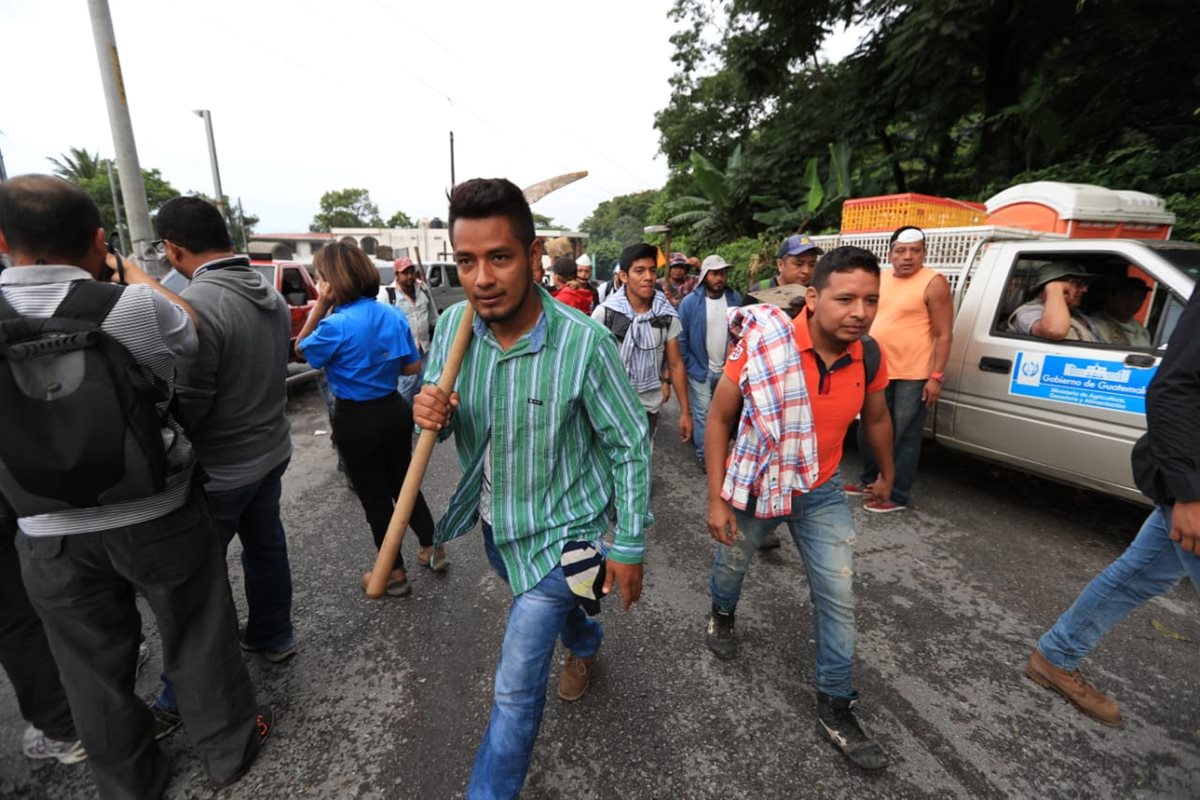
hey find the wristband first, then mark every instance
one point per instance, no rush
(937, 376)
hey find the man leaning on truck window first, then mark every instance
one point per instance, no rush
(913, 327)
(1054, 312)
(1166, 548)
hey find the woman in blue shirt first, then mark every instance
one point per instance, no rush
(364, 347)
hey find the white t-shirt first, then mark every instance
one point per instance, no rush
(485, 489)
(717, 332)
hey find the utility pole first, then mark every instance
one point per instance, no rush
(3, 173)
(452, 182)
(112, 185)
(206, 115)
(137, 210)
(242, 223)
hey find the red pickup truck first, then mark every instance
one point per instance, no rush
(290, 278)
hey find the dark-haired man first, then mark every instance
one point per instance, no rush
(840, 307)
(233, 404)
(914, 327)
(547, 427)
(646, 328)
(81, 566)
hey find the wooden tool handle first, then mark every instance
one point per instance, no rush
(402, 513)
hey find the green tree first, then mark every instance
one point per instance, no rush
(949, 97)
(400, 220)
(542, 222)
(346, 208)
(78, 165)
(621, 218)
(158, 191)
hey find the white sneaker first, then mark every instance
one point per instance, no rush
(35, 744)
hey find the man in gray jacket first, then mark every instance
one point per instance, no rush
(232, 402)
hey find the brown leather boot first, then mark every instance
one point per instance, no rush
(575, 676)
(1071, 685)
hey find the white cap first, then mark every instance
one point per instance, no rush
(910, 236)
(583, 261)
(713, 262)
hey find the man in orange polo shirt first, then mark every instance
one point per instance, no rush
(916, 315)
(839, 308)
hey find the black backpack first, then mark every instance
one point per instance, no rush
(871, 357)
(618, 324)
(79, 427)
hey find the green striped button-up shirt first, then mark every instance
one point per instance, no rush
(567, 433)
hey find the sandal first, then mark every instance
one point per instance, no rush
(396, 586)
(433, 557)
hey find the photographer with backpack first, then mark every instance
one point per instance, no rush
(102, 482)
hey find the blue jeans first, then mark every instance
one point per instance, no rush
(700, 398)
(908, 429)
(536, 619)
(1150, 566)
(823, 530)
(252, 513)
(409, 385)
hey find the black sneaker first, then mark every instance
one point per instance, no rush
(276, 656)
(836, 719)
(720, 634)
(264, 722)
(165, 722)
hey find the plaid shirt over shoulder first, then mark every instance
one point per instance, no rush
(775, 452)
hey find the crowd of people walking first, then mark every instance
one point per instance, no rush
(138, 485)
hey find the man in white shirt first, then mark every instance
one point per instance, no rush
(415, 301)
(704, 340)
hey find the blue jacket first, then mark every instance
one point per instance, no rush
(693, 341)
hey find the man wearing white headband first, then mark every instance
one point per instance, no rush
(913, 328)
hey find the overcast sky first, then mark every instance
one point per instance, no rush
(310, 95)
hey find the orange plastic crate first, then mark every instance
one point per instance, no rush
(888, 212)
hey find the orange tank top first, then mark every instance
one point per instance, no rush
(902, 325)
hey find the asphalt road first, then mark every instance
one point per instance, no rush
(388, 699)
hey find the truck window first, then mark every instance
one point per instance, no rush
(1114, 302)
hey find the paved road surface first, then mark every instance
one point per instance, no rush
(389, 699)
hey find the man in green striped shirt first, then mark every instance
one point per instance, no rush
(548, 431)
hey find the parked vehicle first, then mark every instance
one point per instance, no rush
(290, 278)
(444, 284)
(1066, 410)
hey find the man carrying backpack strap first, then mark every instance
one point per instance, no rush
(839, 307)
(82, 559)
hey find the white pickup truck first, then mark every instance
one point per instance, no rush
(1067, 410)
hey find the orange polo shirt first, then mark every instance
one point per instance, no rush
(837, 393)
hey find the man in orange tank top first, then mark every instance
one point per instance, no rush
(913, 327)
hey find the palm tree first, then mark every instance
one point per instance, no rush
(78, 166)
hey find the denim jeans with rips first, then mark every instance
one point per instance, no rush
(908, 430)
(823, 531)
(700, 394)
(536, 620)
(1149, 567)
